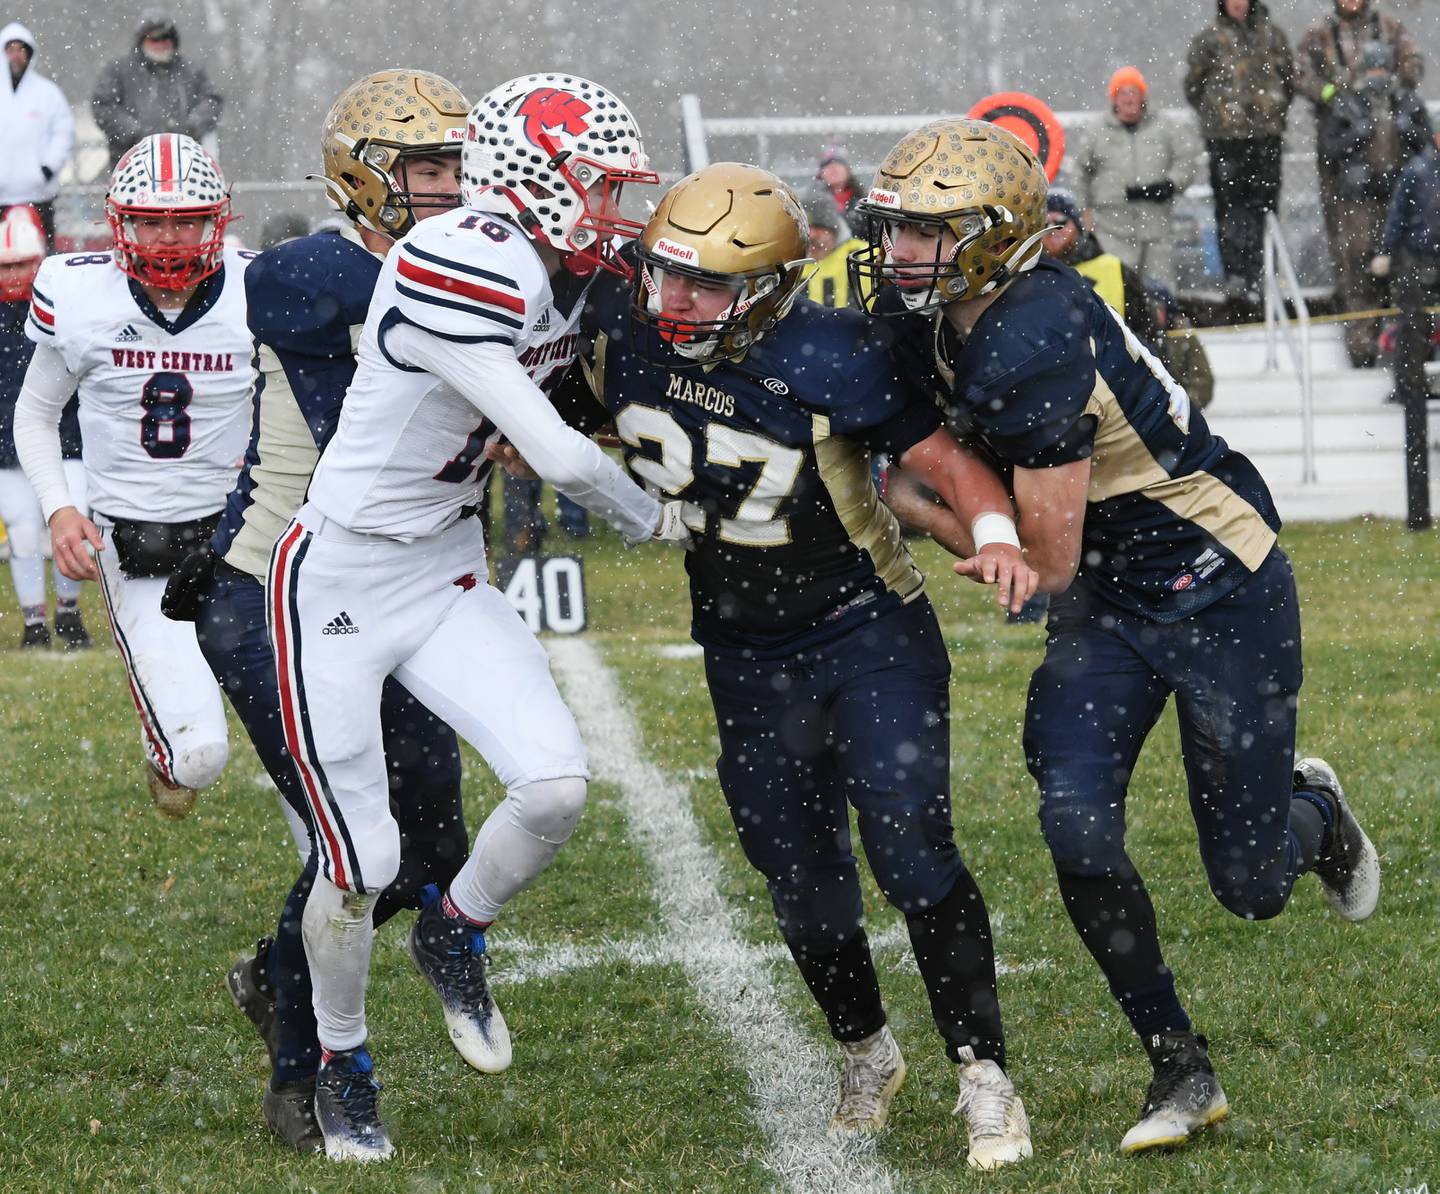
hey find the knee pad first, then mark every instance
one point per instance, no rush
(1086, 837)
(200, 766)
(816, 913)
(550, 808)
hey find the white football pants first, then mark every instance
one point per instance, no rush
(346, 611)
(182, 715)
(25, 528)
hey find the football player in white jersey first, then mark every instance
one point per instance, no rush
(383, 570)
(153, 336)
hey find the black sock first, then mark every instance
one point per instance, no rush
(956, 956)
(1311, 819)
(1116, 921)
(288, 972)
(843, 983)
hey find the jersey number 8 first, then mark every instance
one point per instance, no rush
(165, 427)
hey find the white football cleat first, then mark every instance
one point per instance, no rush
(874, 1071)
(1350, 870)
(995, 1116)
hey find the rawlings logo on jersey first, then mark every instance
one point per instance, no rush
(551, 108)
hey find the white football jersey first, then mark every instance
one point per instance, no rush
(409, 453)
(164, 402)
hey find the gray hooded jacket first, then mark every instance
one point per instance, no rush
(135, 97)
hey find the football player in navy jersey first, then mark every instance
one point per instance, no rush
(824, 659)
(307, 299)
(1159, 542)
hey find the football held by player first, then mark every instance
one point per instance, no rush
(153, 336)
(825, 663)
(390, 147)
(1159, 542)
(381, 572)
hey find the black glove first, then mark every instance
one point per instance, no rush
(189, 585)
(1151, 192)
(47, 172)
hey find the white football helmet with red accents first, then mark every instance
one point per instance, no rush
(551, 152)
(22, 249)
(168, 174)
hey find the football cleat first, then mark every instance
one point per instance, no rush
(874, 1071)
(70, 630)
(1184, 1093)
(173, 800)
(290, 1113)
(256, 1001)
(347, 1108)
(1350, 870)
(451, 956)
(37, 634)
(995, 1116)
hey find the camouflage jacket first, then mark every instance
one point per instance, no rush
(1329, 54)
(1241, 78)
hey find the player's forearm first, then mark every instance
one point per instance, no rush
(968, 487)
(914, 507)
(582, 472)
(1054, 556)
(43, 394)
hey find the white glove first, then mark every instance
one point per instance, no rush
(1380, 265)
(671, 527)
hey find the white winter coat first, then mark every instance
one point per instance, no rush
(36, 129)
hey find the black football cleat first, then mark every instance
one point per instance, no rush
(289, 1110)
(347, 1108)
(37, 634)
(255, 998)
(70, 630)
(451, 956)
(1184, 1093)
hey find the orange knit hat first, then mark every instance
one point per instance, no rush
(1128, 76)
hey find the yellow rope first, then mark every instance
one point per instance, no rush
(1341, 317)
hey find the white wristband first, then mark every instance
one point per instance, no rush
(991, 527)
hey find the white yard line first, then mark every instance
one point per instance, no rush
(792, 1080)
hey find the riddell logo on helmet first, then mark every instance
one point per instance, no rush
(551, 108)
(884, 198)
(454, 134)
(668, 248)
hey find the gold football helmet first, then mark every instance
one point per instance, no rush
(731, 227)
(970, 178)
(372, 128)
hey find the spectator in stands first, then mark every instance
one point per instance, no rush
(844, 188)
(1332, 72)
(1148, 309)
(154, 89)
(37, 131)
(1240, 82)
(1410, 252)
(1132, 165)
(831, 244)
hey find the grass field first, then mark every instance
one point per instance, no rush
(640, 1062)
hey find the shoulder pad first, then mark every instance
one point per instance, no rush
(304, 296)
(467, 276)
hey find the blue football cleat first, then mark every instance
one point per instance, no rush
(347, 1108)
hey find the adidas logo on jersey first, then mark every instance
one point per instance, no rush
(128, 335)
(543, 323)
(340, 624)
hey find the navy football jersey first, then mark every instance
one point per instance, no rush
(796, 547)
(15, 352)
(1050, 375)
(306, 300)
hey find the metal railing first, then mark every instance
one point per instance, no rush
(1281, 284)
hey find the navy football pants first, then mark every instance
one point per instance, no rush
(1234, 669)
(421, 752)
(865, 720)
